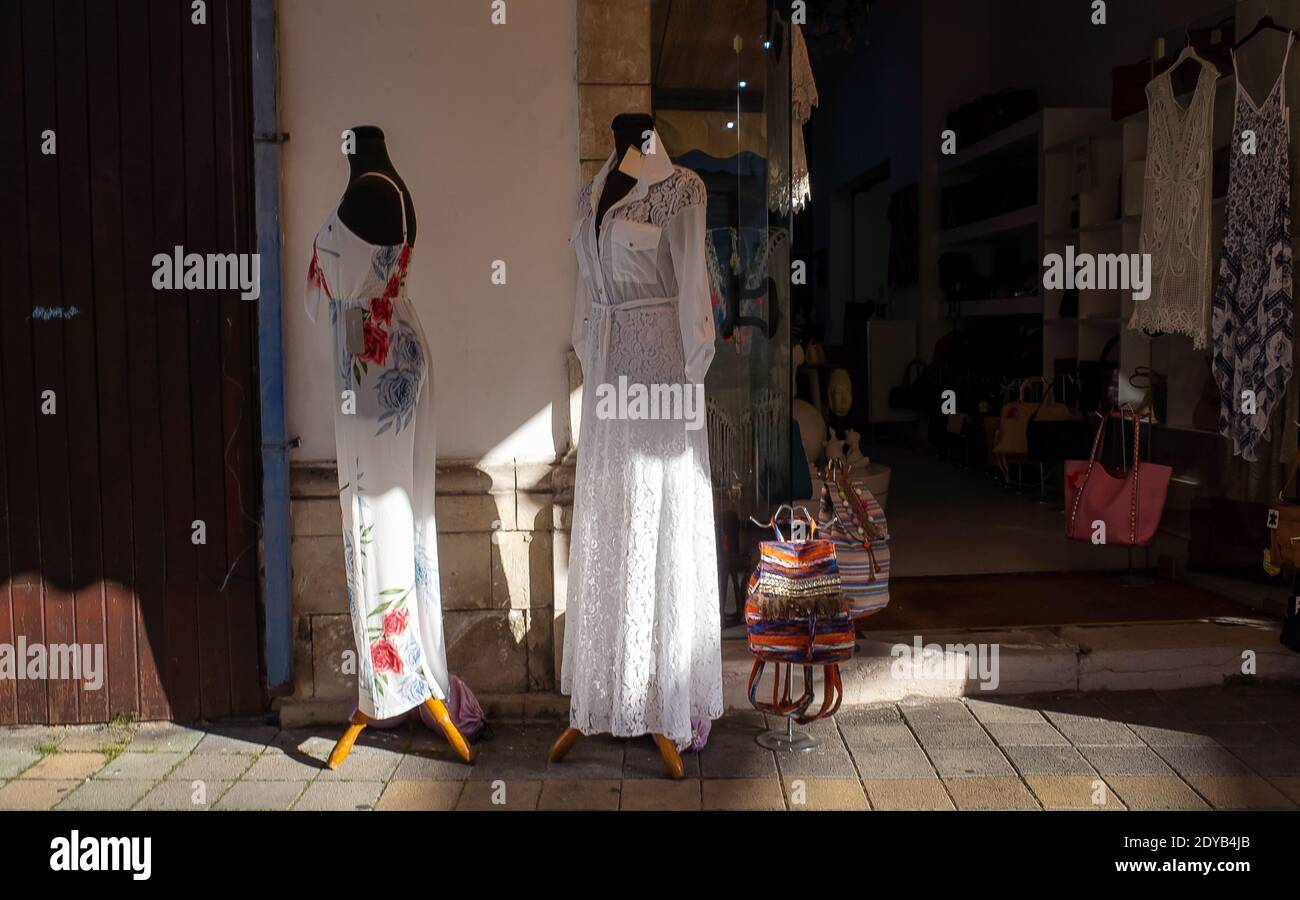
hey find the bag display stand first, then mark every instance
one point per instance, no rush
(440, 715)
(811, 640)
(789, 740)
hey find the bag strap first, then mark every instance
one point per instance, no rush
(1133, 473)
(776, 527)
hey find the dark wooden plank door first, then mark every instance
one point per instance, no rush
(129, 413)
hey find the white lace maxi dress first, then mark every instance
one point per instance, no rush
(642, 633)
(1176, 209)
(385, 452)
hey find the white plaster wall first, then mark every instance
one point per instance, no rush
(482, 123)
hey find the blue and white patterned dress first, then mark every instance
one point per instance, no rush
(1252, 316)
(384, 436)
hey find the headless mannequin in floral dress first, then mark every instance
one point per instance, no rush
(402, 662)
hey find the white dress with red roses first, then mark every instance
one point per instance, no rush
(384, 435)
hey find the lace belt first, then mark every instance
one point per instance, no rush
(607, 312)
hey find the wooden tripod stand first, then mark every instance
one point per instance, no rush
(667, 749)
(440, 715)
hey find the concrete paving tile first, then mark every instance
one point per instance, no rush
(131, 766)
(340, 795)
(93, 738)
(1130, 761)
(305, 742)
(183, 796)
(743, 794)
(1039, 734)
(165, 737)
(237, 738)
(1209, 704)
(435, 796)
(829, 760)
(990, 793)
(936, 712)
(211, 767)
(34, 794)
(596, 756)
(1130, 706)
(817, 794)
(261, 795)
(907, 793)
(950, 736)
(1088, 705)
(892, 762)
(1166, 735)
(1154, 792)
(446, 766)
(1012, 711)
(365, 764)
(642, 794)
(104, 794)
(641, 759)
(970, 763)
(506, 796)
(1245, 734)
(30, 737)
(736, 756)
(1052, 761)
(588, 794)
(1090, 730)
(282, 767)
(878, 735)
(15, 761)
(1211, 760)
(514, 753)
(65, 766)
(1271, 759)
(1239, 792)
(1073, 792)
(741, 720)
(874, 714)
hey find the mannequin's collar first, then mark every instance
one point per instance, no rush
(657, 167)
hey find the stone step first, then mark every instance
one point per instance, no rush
(886, 667)
(1163, 656)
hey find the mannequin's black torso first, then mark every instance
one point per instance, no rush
(370, 207)
(629, 131)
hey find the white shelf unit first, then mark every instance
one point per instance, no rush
(1030, 139)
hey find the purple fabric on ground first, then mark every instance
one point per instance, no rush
(464, 709)
(700, 729)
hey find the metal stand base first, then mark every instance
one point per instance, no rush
(788, 741)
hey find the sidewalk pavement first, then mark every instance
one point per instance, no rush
(1234, 747)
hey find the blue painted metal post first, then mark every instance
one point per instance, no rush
(270, 353)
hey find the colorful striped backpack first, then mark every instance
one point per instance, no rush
(855, 523)
(796, 613)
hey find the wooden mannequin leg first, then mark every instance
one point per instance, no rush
(564, 743)
(454, 737)
(672, 759)
(344, 746)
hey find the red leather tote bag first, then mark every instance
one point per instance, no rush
(1130, 503)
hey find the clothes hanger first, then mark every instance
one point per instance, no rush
(1264, 24)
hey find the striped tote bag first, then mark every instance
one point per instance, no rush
(855, 523)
